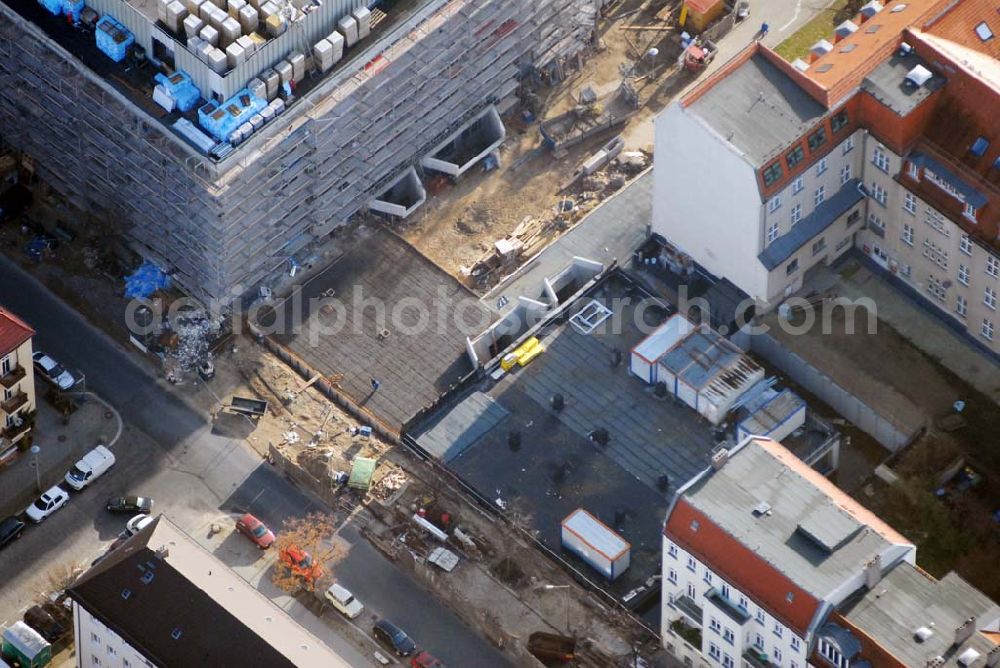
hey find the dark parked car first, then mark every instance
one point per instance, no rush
(13, 201)
(392, 636)
(47, 625)
(10, 529)
(130, 504)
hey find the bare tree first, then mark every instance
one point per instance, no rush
(313, 534)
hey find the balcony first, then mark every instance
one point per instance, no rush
(13, 432)
(14, 403)
(11, 379)
(689, 609)
(755, 658)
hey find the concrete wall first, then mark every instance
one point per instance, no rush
(723, 234)
(883, 428)
(223, 229)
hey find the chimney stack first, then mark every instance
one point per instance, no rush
(993, 658)
(965, 631)
(719, 458)
(873, 572)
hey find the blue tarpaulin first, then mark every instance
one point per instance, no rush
(113, 39)
(181, 88)
(221, 121)
(145, 280)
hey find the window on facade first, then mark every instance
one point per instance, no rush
(935, 254)
(938, 222)
(727, 661)
(881, 159)
(772, 232)
(777, 656)
(935, 288)
(772, 174)
(817, 139)
(797, 186)
(907, 234)
(876, 224)
(792, 267)
(796, 644)
(913, 171)
(774, 204)
(672, 550)
(794, 156)
(111, 650)
(829, 652)
(778, 629)
(714, 651)
(905, 270)
(961, 306)
(692, 592)
(987, 329)
(759, 641)
(963, 274)
(990, 298)
(839, 121)
(796, 213)
(818, 247)
(820, 166)
(992, 266)
(692, 564)
(845, 174)
(672, 575)
(910, 203)
(965, 245)
(94, 638)
(853, 217)
(743, 601)
(729, 636)
(969, 212)
(94, 660)
(842, 244)
(708, 576)
(760, 616)
(879, 193)
(848, 145)
(725, 590)
(714, 624)
(819, 195)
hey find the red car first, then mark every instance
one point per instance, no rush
(425, 660)
(254, 529)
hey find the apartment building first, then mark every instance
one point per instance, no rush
(17, 379)
(163, 600)
(775, 566)
(885, 141)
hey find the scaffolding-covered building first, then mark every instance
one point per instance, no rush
(224, 138)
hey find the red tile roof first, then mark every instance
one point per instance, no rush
(13, 331)
(959, 25)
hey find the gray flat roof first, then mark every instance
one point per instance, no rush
(382, 283)
(700, 356)
(758, 109)
(462, 426)
(906, 599)
(887, 83)
(770, 413)
(753, 475)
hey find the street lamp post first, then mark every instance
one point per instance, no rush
(35, 450)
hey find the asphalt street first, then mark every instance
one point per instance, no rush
(169, 452)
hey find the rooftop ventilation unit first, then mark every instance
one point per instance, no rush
(800, 65)
(761, 509)
(968, 657)
(905, 49)
(923, 633)
(871, 9)
(821, 48)
(918, 76)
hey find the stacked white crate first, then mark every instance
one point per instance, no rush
(176, 13)
(323, 55)
(248, 20)
(192, 26)
(348, 27)
(364, 18)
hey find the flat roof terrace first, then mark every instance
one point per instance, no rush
(382, 311)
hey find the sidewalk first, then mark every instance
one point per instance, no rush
(61, 444)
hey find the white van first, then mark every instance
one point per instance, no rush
(91, 467)
(344, 601)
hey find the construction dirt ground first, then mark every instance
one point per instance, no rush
(459, 224)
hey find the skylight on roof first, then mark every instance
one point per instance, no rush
(898, 8)
(984, 32)
(825, 67)
(979, 146)
(873, 29)
(849, 47)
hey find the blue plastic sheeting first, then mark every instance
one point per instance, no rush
(220, 121)
(145, 280)
(72, 8)
(113, 39)
(54, 6)
(180, 87)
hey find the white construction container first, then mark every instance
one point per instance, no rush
(258, 88)
(336, 40)
(267, 113)
(267, 10)
(192, 27)
(257, 121)
(233, 7)
(246, 130)
(278, 105)
(161, 9)
(298, 62)
(364, 18)
(235, 55)
(272, 81)
(210, 35)
(217, 61)
(194, 6)
(176, 13)
(323, 55)
(348, 27)
(644, 357)
(284, 70)
(590, 539)
(204, 50)
(275, 25)
(230, 32)
(195, 45)
(248, 21)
